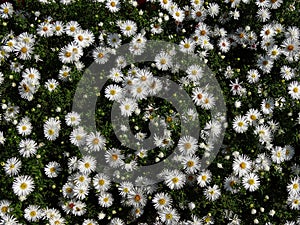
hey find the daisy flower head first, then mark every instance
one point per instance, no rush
(73, 119)
(165, 4)
(161, 201)
(224, 45)
(290, 48)
(72, 27)
(194, 72)
(265, 63)
(116, 221)
(58, 28)
(51, 84)
(277, 154)
(68, 190)
(188, 145)
(124, 188)
(267, 106)
(52, 169)
(178, 14)
(198, 94)
(253, 115)
(187, 45)
(241, 165)
(52, 128)
(6, 10)
(231, 184)
(294, 186)
(236, 87)
(114, 158)
(24, 127)
(78, 136)
(105, 199)
(116, 75)
(128, 106)
(12, 166)
(263, 14)
(212, 193)
(27, 148)
(5, 207)
(274, 52)
(128, 28)
(264, 133)
(191, 164)
(208, 101)
(289, 152)
(253, 76)
(294, 90)
(113, 5)
(204, 178)
(24, 50)
(251, 182)
(87, 164)
(31, 74)
(163, 61)
(45, 29)
(139, 90)
(286, 72)
(213, 9)
(81, 191)
(294, 201)
(33, 213)
(95, 141)
(101, 182)
(114, 40)
(101, 55)
(64, 73)
(137, 198)
(240, 124)
(113, 92)
(174, 179)
(169, 216)
(23, 185)
(27, 88)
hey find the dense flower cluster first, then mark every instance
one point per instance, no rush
(253, 49)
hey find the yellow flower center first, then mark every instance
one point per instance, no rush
(33, 213)
(101, 182)
(190, 163)
(187, 145)
(137, 198)
(112, 92)
(175, 180)
(24, 50)
(240, 124)
(251, 181)
(4, 209)
(169, 216)
(296, 90)
(243, 165)
(5, 10)
(23, 186)
(162, 201)
(115, 157)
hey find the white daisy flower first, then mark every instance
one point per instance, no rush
(52, 169)
(12, 166)
(23, 185)
(251, 182)
(212, 193)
